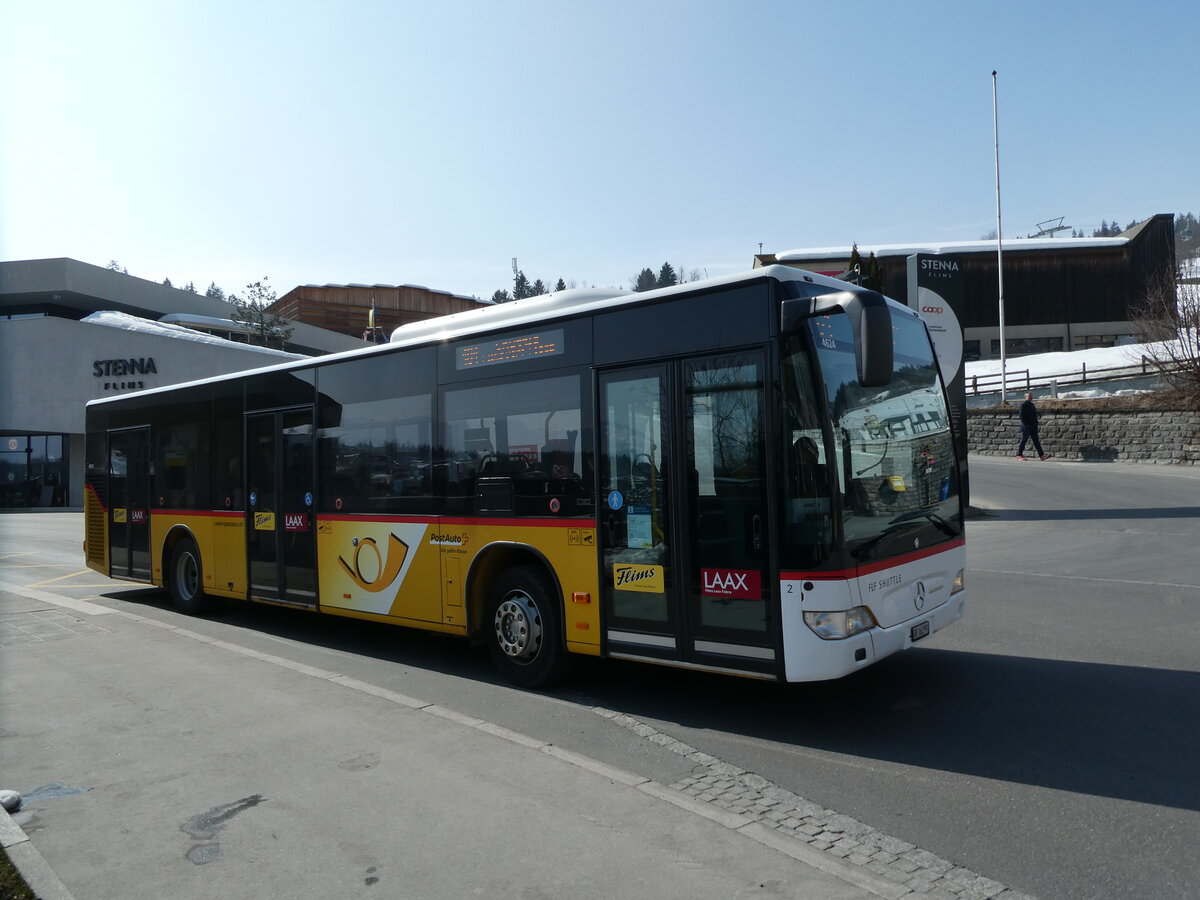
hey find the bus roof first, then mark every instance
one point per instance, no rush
(515, 313)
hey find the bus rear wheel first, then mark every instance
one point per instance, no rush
(184, 578)
(524, 628)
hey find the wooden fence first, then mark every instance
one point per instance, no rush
(1023, 380)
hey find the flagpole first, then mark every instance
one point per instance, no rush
(999, 248)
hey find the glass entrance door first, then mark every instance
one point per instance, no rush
(280, 526)
(683, 514)
(129, 503)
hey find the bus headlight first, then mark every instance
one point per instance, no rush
(959, 581)
(842, 623)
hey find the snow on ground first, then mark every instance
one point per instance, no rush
(1050, 365)
(127, 322)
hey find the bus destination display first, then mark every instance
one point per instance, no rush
(510, 349)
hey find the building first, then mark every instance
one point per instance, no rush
(1059, 293)
(72, 332)
(346, 308)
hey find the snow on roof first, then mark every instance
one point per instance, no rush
(195, 321)
(1016, 245)
(126, 322)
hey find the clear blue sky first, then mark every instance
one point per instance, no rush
(431, 142)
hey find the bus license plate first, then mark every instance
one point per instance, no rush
(919, 631)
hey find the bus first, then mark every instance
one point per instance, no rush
(752, 475)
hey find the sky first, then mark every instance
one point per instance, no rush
(431, 143)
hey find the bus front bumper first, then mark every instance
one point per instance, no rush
(809, 658)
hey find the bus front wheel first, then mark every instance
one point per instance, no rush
(184, 578)
(524, 630)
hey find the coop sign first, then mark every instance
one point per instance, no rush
(121, 374)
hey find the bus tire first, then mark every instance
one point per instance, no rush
(184, 579)
(524, 627)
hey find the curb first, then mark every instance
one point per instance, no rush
(29, 862)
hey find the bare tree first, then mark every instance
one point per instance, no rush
(1168, 319)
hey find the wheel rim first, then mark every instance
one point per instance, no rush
(519, 627)
(187, 576)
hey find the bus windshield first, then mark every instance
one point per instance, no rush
(891, 448)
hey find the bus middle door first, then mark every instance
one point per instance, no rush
(281, 528)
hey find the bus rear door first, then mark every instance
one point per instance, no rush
(129, 503)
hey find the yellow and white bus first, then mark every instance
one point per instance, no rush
(753, 475)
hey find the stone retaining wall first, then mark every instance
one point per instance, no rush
(1166, 437)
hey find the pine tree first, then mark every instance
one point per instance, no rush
(501, 297)
(538, 289)
(667, 276)
(560, 285)
(521, 288)
(645, 281)
(872, 275)
(855, 266)
(215, 292)
(167, 282)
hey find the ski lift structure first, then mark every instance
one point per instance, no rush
(1050, 227)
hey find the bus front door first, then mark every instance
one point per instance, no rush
(683, 513)
(281, 531)
(129, 503)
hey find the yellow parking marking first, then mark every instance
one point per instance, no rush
(60, 578)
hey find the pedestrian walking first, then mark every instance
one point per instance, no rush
(1029, 428)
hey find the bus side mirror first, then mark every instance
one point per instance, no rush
(870, 321)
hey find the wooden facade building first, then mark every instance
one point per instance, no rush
(346, 308)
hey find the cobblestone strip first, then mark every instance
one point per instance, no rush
(925, 874)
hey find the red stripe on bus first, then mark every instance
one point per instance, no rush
(877, 566)
(206, 513)
(434, 520)
(95, 496)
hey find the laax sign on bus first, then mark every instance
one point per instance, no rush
(736, 583)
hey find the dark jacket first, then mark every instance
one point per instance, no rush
(1029, 414)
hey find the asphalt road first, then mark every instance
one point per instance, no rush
(1047, 741)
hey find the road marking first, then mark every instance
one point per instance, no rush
(60, 578)
(1170, 584)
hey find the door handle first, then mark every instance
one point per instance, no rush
(756, 536)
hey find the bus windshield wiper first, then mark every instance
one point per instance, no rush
(901, 523)
(927, 513)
